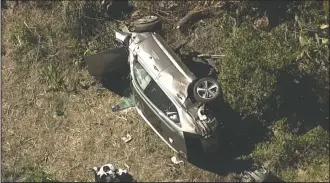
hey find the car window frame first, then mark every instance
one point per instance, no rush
(148, 98)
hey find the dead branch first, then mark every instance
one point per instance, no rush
(164, 18)
(196, 15)
(210, 56)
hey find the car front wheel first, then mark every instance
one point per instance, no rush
(206, 90)
(147, 24)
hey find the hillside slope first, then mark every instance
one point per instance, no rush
(57, 120)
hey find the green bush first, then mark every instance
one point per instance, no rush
(313, 29)
(27, 173)
(252, 60)
(290, 154)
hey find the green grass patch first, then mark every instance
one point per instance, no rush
(290, 154)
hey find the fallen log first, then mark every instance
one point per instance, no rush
(197, 15)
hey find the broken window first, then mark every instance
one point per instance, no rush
(141, 76)
(155, 94)
(159, 98)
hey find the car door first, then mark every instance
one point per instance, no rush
(111, 68)
(107, 61)
(168, 114)
(155, 106)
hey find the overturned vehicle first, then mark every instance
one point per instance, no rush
(167, 94)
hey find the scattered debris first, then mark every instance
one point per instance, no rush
(58, 113)
(127, 139)
(109, 173)
(127, 167)
(210, 56)
(266, 164)
(121, 171)
(175, 160)
(259, 175)
(106, 4)
(262, 22)
(84, 85)
(124, 103)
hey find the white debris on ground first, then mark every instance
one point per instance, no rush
(125, 111)
(121, 171)
(109, 173)
(127, 166)
(258, 175)
(127, 139)
(175, 160)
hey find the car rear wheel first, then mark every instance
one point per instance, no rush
(206, 90)
(147, 24)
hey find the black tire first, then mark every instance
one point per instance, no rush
(153, 25)
(211, 93)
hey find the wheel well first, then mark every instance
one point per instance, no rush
(191, 90)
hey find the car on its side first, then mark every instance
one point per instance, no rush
(167, 94)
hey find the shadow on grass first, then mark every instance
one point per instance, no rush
(277, 11)
(94, 16)
(294, 99)
(118, 9)
(297, 100)
(238, 138)
(273, 178)
(4, 4)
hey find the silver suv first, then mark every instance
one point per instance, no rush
(170, 98)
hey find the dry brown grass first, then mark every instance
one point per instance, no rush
(53, 123)
(88, 134)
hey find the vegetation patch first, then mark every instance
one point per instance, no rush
(274, 76)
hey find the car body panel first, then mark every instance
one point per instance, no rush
(178, 88)
(187, 123)
(162, 63)
(159, 122)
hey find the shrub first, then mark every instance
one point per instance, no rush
(88, 22)
(313, 29)
(252, 60)
(290, 154)
(27, 173)
(255, 59)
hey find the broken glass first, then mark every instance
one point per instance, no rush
(127, 101)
